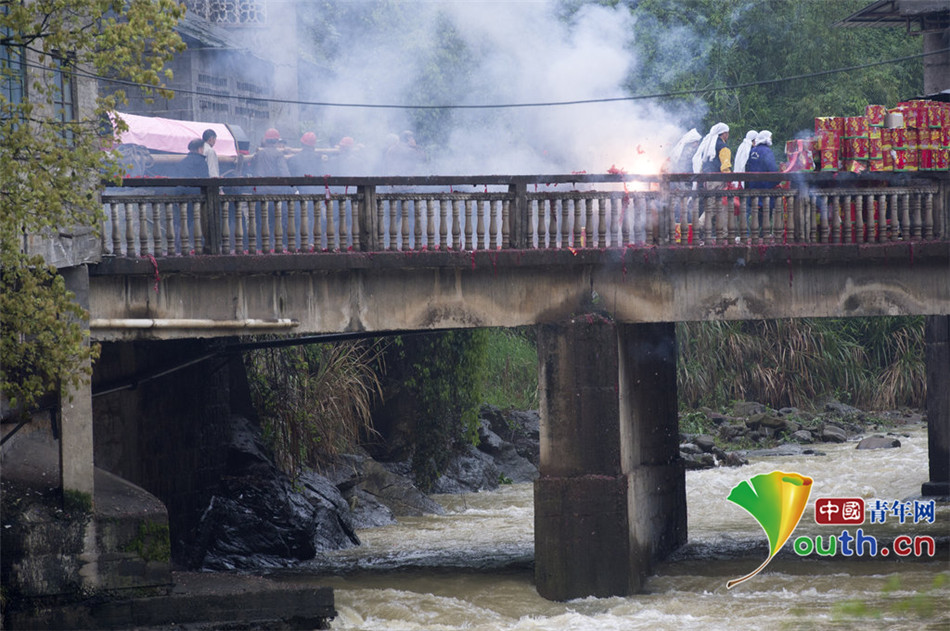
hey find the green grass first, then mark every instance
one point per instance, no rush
(511, 374)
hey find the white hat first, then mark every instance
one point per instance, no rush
(764, 138)
(707, 148)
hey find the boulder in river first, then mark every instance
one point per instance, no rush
(879, 442)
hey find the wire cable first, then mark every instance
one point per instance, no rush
(659, 95)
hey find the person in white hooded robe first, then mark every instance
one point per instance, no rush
(742, 152)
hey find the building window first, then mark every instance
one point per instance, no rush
(229, 11)
(12, 72)
(64, 95)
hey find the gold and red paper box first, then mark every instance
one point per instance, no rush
(828, 139)
(875, 148)
(898, 138)
(829, 160)
(875, 115)
(908, 112)
(925, 160)
(877, 165)
(941, 158)
(913, 139)
(859, 148)
(855, 126)
(829, 123)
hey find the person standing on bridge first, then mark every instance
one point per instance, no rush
(762, 160)
(742, 153)
(211, 156)
(714, 155)
(309, 163)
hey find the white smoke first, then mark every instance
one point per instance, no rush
(514, 53)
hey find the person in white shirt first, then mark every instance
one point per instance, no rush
(210, 137)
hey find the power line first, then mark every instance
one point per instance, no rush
(659, 95)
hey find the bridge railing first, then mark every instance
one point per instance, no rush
(272, 215)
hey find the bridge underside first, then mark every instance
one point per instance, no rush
(327, 293)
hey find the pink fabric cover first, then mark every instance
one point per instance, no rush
(172, 136)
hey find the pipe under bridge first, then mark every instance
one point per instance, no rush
(605, 265)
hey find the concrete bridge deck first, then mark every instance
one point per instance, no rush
(423, 253)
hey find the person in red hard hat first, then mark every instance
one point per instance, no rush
(308, 161)
(346, 160)
(269, 161)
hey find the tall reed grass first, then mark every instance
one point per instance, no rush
(314, 401)
(872, 363)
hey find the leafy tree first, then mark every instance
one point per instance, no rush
(736, 42)
(52, 158)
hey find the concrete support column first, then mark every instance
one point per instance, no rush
(937, 350)
(649, 413)
(611, 497)
(76, 460)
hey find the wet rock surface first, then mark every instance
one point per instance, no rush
(260, 519)
(752, 429)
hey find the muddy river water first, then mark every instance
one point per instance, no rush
(471, 568)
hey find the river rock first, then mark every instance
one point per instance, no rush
(366, 485)
(520, 428)
(803, 436)
(842, 410)
(704, 442)
(748, 408)
(510, 463)
(774, 423)
(833, 434)
(732, 431)
(258, 518)
(879, 442)
(469, 471)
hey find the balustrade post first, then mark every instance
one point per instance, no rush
(368, 227)
(518, 225)
(859, 219)
(212, 220)
(847, 234)
(928, 212)
(144, 207)
(445, 236)
(420, 227)
(506, 224)
(158, 244)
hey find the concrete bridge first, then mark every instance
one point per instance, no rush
(604, 264)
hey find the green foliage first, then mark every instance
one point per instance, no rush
(77, 501)
(872, 363)
(510, 378)
(152, 543)
(314, 401)
(736, 42)
(442, 375)
(51, 162)
(922, 605)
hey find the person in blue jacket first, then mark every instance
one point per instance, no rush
(762, 160)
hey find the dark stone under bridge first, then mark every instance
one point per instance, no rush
(603, 268)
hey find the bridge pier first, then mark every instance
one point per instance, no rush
(611, 497)
(77, 469)
(937, 350)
